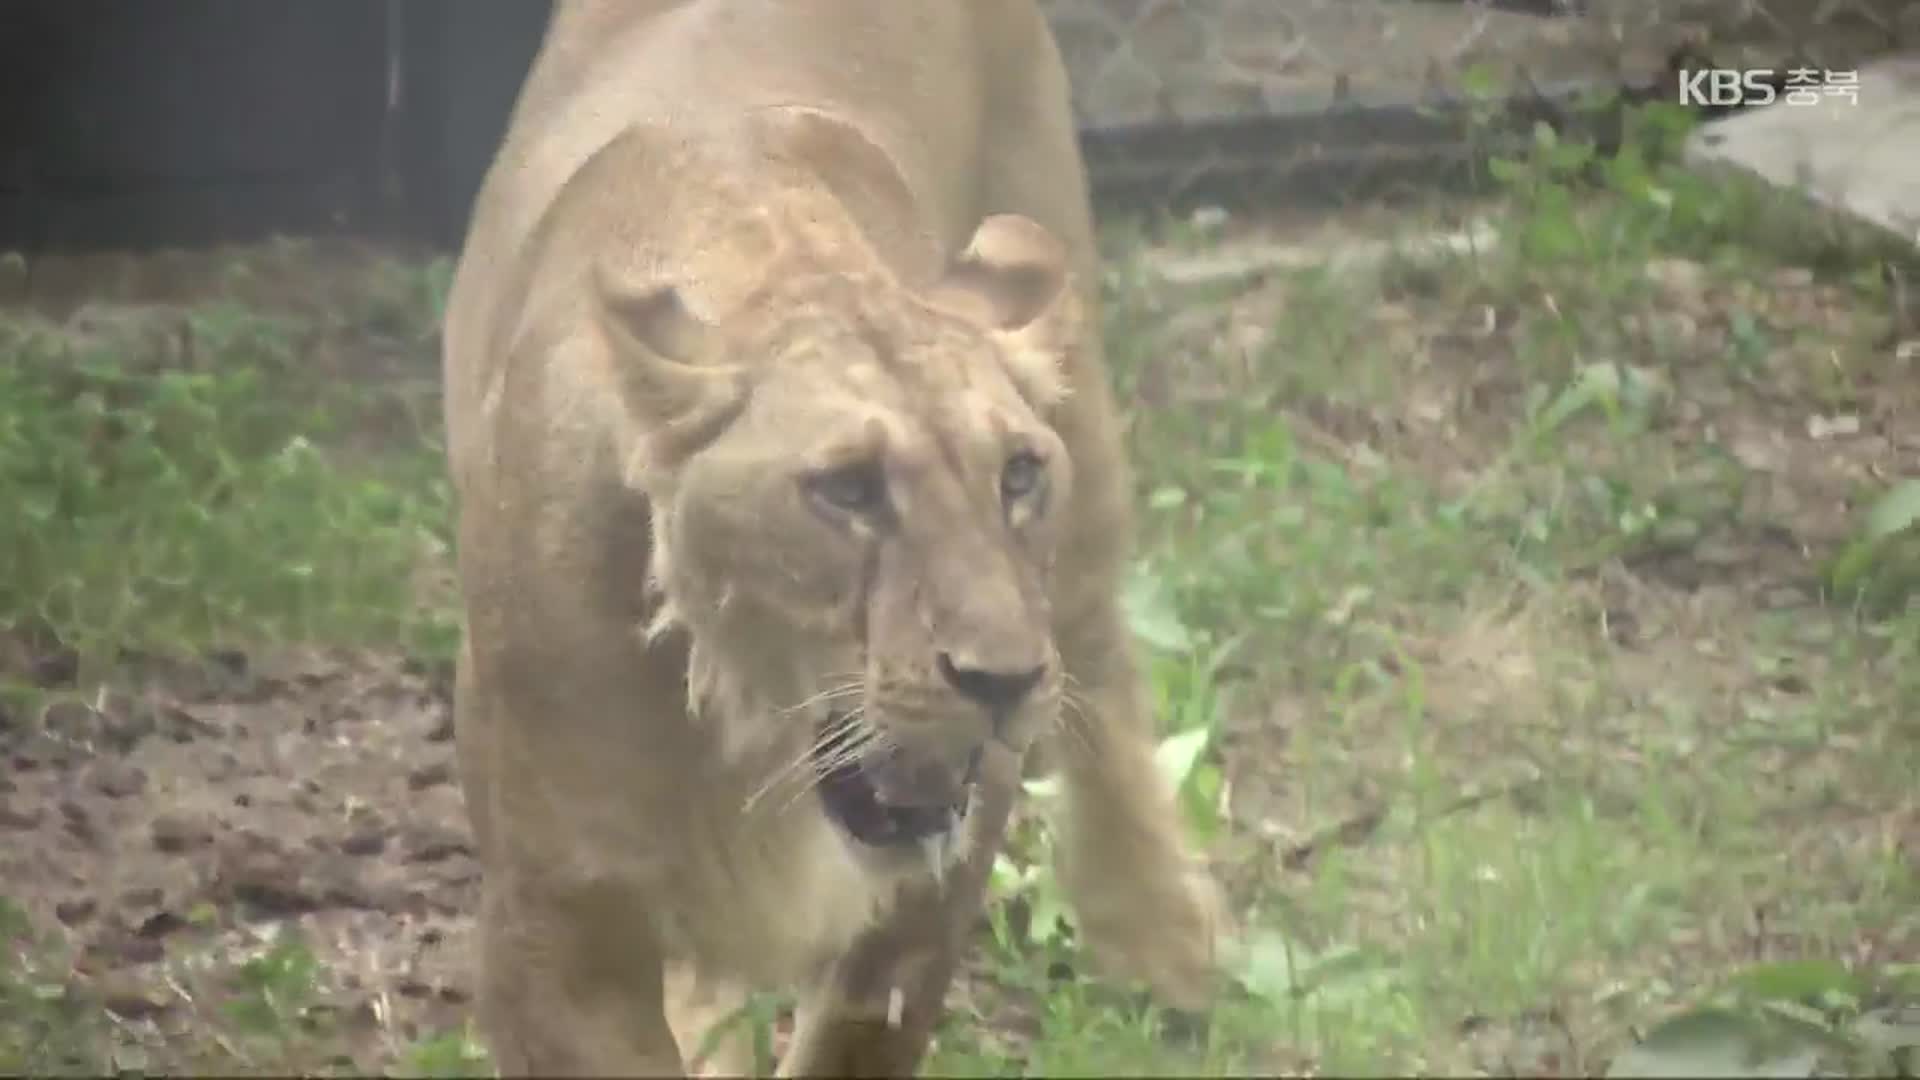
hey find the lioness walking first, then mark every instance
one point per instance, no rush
(789, 478)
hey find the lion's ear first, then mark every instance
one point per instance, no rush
(672, 378)
(652, 317)
(1013, 277)
(1012, 273)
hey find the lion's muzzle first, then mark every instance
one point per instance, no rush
(896, 796)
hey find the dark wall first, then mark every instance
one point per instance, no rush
(189, 122)
(464, 64)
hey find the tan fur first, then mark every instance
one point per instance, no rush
(729, 244)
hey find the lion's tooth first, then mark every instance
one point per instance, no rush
(934, 847)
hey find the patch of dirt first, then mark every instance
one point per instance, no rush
(169, 828)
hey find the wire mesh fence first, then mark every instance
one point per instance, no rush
(1340, 97)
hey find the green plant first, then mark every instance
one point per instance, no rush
(46, 1027)
(446, 1054)
(1881, 564)
(1795, 1018)
(275, 989)
(156, 507)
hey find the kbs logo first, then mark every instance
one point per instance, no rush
(1756, 86)
(1726, 86)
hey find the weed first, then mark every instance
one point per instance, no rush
(167, 502)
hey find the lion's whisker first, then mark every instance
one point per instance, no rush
(1074, 721)
(839, 743)
(863, 742)
(853, 684)
(786, 771)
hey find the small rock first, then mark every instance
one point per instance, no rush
(174, 833)
(1828, 427)
(182, 726)
(254, 841)
(266, 881)
(433, 843)
(1678, 275)
(160, 924)
(79, 822)
(1676, 328)
(442, 730)
(55, 670)
(1792, 277)
(128, 999)
(222, 767)
(120, 948)
(72, 720)
(369, 841)
(1721, 553)
(1783, 598)
(231, 662)
(1760, 455)
(11, 818)
(1622, 626)
(125, 727)
(117, 780)
(74, 911)
(432, 775)
(338, 882)
(1209, 219)
(44, 749)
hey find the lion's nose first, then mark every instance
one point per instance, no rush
(995, 689)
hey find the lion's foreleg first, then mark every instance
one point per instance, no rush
(707, 1019)
(1143, 903)
(566, 992)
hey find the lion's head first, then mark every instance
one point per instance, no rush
(856, 502)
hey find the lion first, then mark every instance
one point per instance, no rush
(788, 480)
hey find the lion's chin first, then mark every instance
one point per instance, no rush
(853, 803)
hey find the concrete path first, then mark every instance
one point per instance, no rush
(1861, 158)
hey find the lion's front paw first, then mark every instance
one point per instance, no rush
(1164, 930)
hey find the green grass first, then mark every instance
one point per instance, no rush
(1520, 700)
(167, 500)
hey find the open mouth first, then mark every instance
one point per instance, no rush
(852, 801)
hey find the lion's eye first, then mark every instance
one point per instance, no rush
(1021, 476)
(855, 489)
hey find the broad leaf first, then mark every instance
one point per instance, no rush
(1151, 614)
(1896, 512)
(1814, 982)
(1717, 1042)
(1177, 754)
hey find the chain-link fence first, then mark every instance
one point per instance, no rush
(1342, 96)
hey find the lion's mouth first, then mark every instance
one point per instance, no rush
(854, 803)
